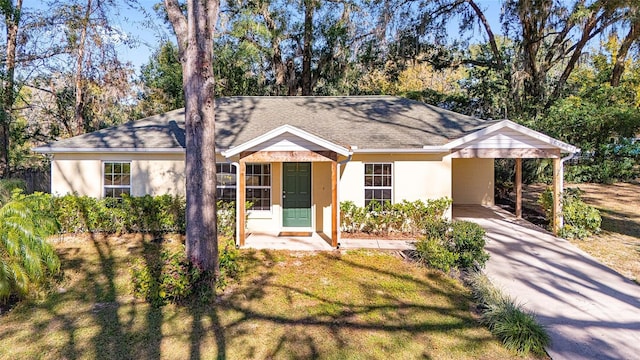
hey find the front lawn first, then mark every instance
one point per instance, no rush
(354, 305)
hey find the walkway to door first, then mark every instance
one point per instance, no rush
(590, 311)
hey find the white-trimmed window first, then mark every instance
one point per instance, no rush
(258, 178)
(378, 183)
(117, 178)
(225, 182)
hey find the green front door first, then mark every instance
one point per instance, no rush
(296, 195)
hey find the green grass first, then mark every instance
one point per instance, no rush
(354, 305)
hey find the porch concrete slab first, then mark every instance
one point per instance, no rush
(272, 241)
(589, 310)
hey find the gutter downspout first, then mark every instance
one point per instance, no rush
(338, 190)
(237, 166)
(568, 157)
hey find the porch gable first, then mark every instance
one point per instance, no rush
(286, 138)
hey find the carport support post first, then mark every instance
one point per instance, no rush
(334, 204)
(518, 185)
(242, 199)
(557, 202)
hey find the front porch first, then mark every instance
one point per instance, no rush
(319, 242)
(273, 240)
(291, 179)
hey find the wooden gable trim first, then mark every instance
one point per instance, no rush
(284, 129)
(288, 156)
(506, 153)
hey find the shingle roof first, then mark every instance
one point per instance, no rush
(368, 122)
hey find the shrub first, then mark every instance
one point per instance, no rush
(7, 187)
(468, 242)
(611, 162)
(228, 262)
(605, 171)
(517, 328)
(437, 228)
(432, 252)
(580, 219)
(457, 244)
(482, 291)
(27, 260)
(403, 217)
(172, 278)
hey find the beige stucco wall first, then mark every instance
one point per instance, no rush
(415, 177)
(154, 174)
(76, 173)
(473, 181)
(321, 196)
(158, 175)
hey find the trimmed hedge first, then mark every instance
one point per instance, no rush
(404, 217)
(149, 214)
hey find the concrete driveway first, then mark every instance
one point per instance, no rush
(590, 311)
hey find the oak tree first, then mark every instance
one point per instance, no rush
(194, 27)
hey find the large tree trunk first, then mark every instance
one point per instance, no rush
(618, 67)
(194, 33)
(533, 22)
(12, 22)
(309, 6)
(587, 30)
(278, 65)
(78, 110)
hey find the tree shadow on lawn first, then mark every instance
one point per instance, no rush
(308, 320)
(619, 222)
(272, 313)
(91, 314)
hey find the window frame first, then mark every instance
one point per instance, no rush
(378, 187)
(232, 170)
(259, 187)
(120, 186)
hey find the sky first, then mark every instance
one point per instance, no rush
(145, 29)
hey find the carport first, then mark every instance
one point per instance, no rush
(472, 173)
